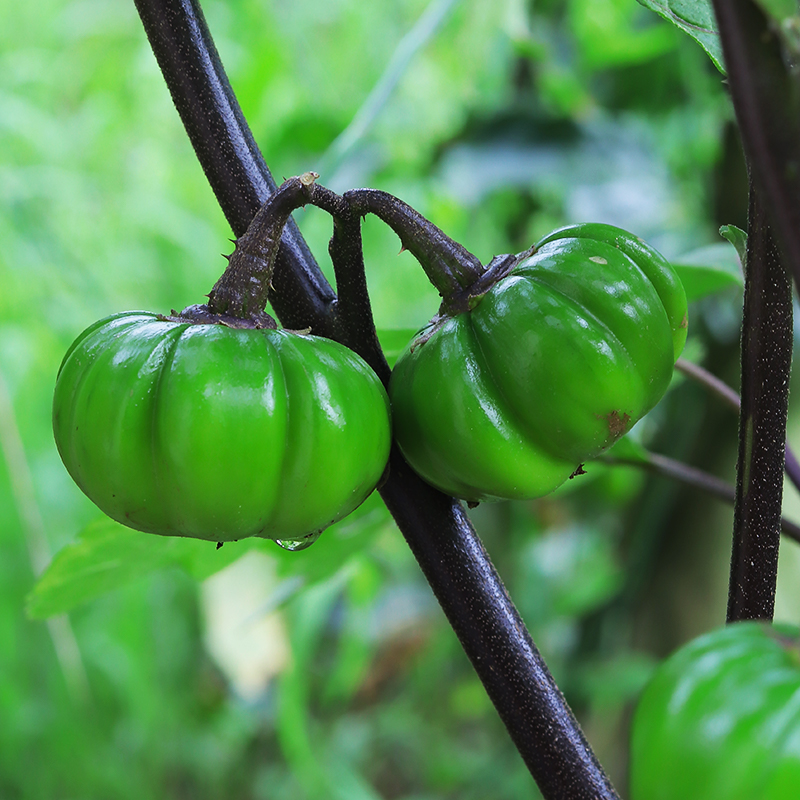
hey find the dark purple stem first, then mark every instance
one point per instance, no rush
(766, 363)
(436, 527)
(450, 267)
(766, 98)
(496, 640)
(354, 308)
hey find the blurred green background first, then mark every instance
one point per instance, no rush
(331, 673)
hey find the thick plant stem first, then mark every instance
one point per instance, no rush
(437, 528)
(766, 362)
(494, 637)
(766, 97)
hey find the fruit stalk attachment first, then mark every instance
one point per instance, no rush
(244, 287)
(450, 267)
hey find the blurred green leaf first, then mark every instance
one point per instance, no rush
(574, 570)
(708, 270)
(294, 720)
(355, 649)
(108, 555)
(615, 680)
(610, 36)
(332, 551)
(695, 17)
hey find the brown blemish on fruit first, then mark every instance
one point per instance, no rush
(617, 423)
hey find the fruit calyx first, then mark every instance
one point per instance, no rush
(202, 315)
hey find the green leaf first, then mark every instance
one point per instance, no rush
(108, 555)
(612, 680)
(695, 17)
(737, 237)
(577, 566)
(337, 545)
(708, 270)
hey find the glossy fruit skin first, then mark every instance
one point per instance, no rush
(720, 720)
(546, 370)
(219, 433)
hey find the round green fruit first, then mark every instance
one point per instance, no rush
(720, 720)
(219, 433)
(544, 370)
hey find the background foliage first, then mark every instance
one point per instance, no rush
(331, 673)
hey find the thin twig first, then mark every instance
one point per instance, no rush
(694, 477)
(354, 308)
(702, 376)
(710, 381)
(450, 267)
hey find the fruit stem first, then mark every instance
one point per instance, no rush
(450, 267)
(243, 289)
(355, 323)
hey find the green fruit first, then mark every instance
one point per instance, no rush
(548, 368)
(219, 433)
(720, 720)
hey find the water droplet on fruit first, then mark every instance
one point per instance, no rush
(298, 544)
